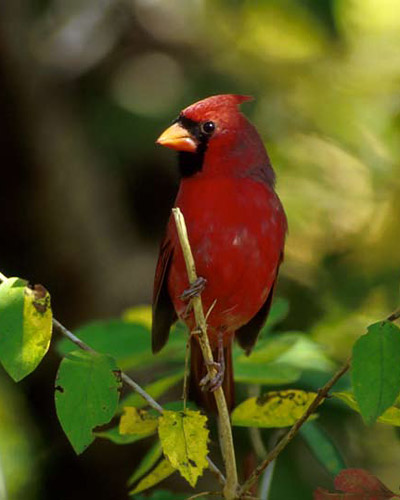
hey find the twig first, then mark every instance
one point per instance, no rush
(257, 442)
(322, 394)
(218, 493)
(266, 481)
(217, 473)
(186, 373)
(128, 381)
(203, 494)
(228, 451)
(255, 432)
(394, 316)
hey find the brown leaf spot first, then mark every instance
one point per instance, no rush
(41, 297)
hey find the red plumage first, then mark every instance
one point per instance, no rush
(236, 227)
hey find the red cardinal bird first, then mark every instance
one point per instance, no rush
(236, 227)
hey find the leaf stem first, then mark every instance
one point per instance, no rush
(186, 375)
(228, 451)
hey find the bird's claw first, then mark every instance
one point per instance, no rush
(194, 289)
(213, 382)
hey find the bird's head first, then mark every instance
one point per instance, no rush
(212, 136)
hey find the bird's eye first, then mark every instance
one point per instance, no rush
(207, 127)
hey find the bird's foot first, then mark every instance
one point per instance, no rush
(213, 382)
(194, 289)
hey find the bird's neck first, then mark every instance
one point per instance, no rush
(247, 158)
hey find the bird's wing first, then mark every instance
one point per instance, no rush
(163, 310)
(248, 333)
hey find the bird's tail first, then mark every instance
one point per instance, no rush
(198, 370)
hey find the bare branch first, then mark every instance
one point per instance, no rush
(394, 316)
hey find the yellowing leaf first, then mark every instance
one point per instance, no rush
(184, 438)
(160, 472)
(273, 409)
(139, 314)
(139, 422)
(25, 326)
(391, 416)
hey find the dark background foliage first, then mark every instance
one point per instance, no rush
(85, 88)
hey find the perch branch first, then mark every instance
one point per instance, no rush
(228, 451)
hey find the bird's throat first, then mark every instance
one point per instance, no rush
(190, 164)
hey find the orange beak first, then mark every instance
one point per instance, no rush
(178, 138)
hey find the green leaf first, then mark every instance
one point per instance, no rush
(269, 374)
(87, 392)
(293, 349)
(376, 369)
(184, 438)
(390, 416)
(128, 343)
(114, 436)
(25, 326)
(280, 360)
(270, 349)
(160, 472)
(273, 409)
(156, 389)
(139, 422)
(148, 461)
(322, 447)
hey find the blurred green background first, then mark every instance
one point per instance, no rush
(86, 86)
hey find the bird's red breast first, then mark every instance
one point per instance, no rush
(235, 221)
(236, 229)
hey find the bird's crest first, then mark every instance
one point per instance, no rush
(219, 103)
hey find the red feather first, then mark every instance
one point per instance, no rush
(236, 227)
